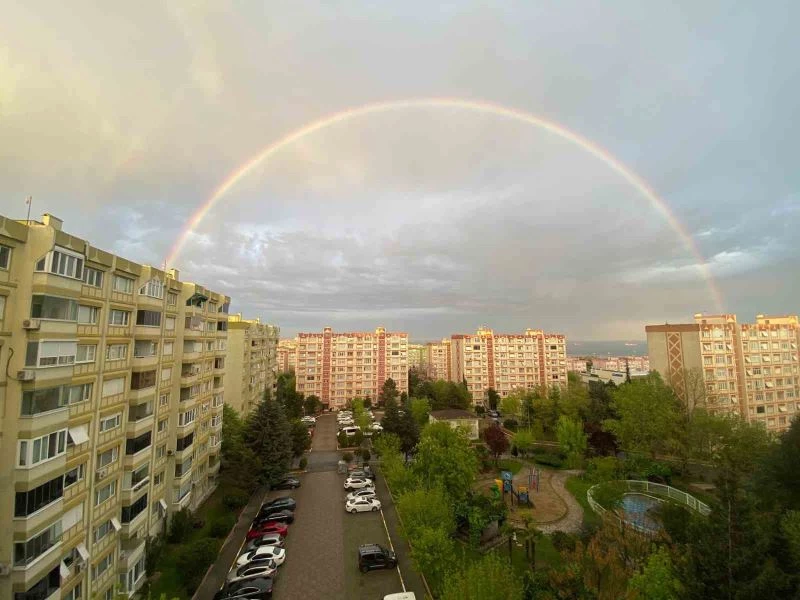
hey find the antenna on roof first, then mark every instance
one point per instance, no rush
(29, 201)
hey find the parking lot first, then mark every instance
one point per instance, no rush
(322, 543)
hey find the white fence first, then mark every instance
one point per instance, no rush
(657, 490)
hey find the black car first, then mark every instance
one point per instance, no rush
(374, 556)
(271, 510)
(287, 483)
(268, 539)
(283, 516)
(286, 502)
(255, 589)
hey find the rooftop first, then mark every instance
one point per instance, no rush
(452, 413)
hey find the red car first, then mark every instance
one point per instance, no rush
(268, 527)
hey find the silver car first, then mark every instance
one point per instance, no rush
(251, 571)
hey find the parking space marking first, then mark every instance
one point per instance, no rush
(391, 545)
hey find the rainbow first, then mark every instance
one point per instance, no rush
(350, 114)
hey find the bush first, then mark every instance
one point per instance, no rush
(511, 424)
(609, 494)
(550, 460)
(180, 527)
(347, 457)
(563, 541)
(480, 410)
(303, 463)
(153, 550)
(365, 454)
(235, 499)
(194, 559)
(221, 526)
(605, 468)
(349, 441)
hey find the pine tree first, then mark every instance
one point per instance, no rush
(267, 434)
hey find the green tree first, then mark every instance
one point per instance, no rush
(657, 580)
(312, 404)
(391, 421)
(301, 441)
(572, 440)
(433, 552)
(493, 397)
(488, 578)
(267, 433)
(429, 507)
(445, 458)
(194, 559)
(287, 395)
(360, 416)
(524, 441)
(648, 415)
(421, 410)
(409, 431)
(510, 405)
(237, 461)
(388, 392)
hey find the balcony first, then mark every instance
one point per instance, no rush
(46, 421)
(130, 552)
(49, 283)
(137, 396)
(44, 471)
(148, 360)
(24, 527)
(189, 377)
(213, 469)
(129, 529)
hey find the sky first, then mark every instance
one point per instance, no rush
(427, 219)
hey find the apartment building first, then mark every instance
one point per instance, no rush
(417, 357)
(287, 353)
(112, 409)
(507, 362)
(252, 362)
(337, 367)
(748, 369)
(438, 359)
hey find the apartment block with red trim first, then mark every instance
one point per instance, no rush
(337, 367)
(507, 362)
(748, 369)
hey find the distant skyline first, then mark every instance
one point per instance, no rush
(124, 121)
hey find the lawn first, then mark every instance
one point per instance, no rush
(509, 464)
(578, 488)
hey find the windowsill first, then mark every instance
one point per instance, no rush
(106, 501)
(39, 558)
(41, 462)
(47, 412)
(39, 511)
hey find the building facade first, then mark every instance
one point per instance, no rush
(417, 357)
(252, 362)
(438, 359)
(749, 369)
(337, 367)
(507, 362)
(287, 353)
(112, 397)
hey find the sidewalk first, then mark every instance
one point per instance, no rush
(216, 574)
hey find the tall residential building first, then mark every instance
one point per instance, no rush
(112, 408)
(252, 362)
(438, 359)
(287, 353)
(507, 362)
(748, 369)
(337, 367)
(417, 356)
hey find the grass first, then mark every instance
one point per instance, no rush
(509, 464)
(170, 582)
(578, 488)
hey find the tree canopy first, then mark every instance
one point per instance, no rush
(445, 458)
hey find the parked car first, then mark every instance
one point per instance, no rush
(401, 596)
(362, 505)
(287, 483)
(356, 483)
(365, 472)
(367, 492)
(264, 552)
(376, 427)
(270, 539)
(268, 527)
(351, 430)
(493, 414)
(308, 419)
(250, 589)
(253, 571)
(375, 556)
(281, 516)
(269, 510)
(284, 502)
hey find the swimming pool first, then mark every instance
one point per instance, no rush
(637, 508)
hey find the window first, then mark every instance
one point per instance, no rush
(116, 351)
(148, 318)
(50, 354)
(62, 262)
(172, 299)
(166, 374)
(169, 323)
(35, 402)
(137, 444)
(144, 348)
(27, 503)
(145, 379)
(28, 551)
(103, 530)
(184, 442)
(161, 451)
(118, 317)
(73, 476)
(44, 588)
(168, 346)
(111, 387)
(5, 257)
(183, 468)
(106, 458)
(158, 479)
(75, 593)
(34, 451)
(136, 573)
(163, 400)
(109, 423)
(129, 513)
(105, 492)
(163, 424)
(53, 307)
(93, 277)
(86, 353)
(185, 418)
(122, 284)
(153, 288)
(79, 393)
(88, 315)
(103, 565)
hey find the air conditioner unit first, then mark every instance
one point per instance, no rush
(170, 452)
(101, 473)
(26, 375)
(30, 324)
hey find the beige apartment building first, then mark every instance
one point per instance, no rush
(337, 367)
(507, 362)
(748, 369)
(438, 359)
(111, 396)
(252, 362)
(417, 357)
(287, 354)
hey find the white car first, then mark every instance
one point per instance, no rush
(356, 483)
(376, 427)
(308, 419)
(252, 571)
(265, 552)
(367, 492)
(362, 505)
